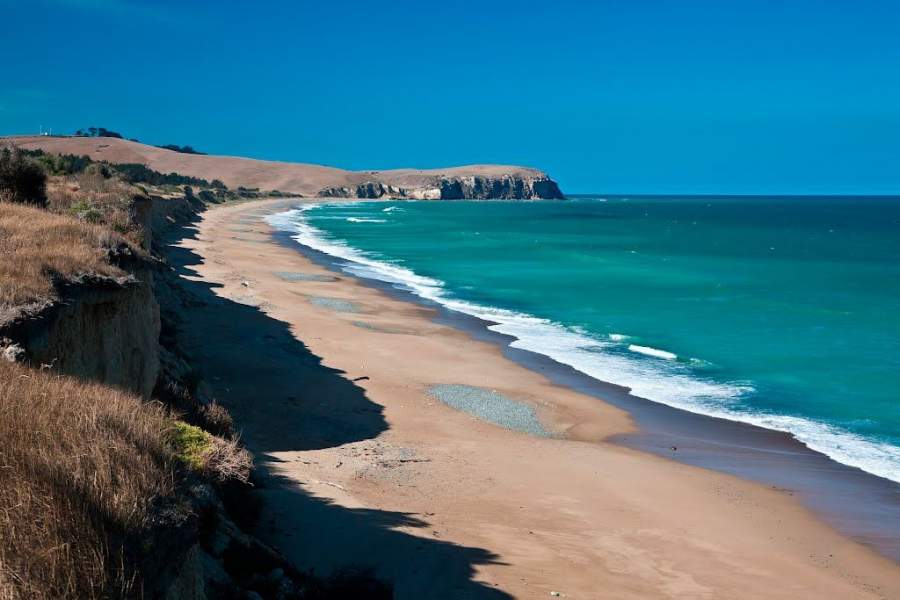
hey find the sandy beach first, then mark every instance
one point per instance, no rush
(361, 410)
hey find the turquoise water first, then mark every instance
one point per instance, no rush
(780, 312)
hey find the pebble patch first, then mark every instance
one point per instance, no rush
(490, 406)
(335, 304)
(383, 328)
(295, 276)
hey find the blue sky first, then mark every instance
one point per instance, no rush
(665, 96)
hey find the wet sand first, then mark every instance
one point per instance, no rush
(365, 466)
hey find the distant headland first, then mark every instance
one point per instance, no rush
(472, 181)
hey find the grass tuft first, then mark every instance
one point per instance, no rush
(191, 445)
(217, 458)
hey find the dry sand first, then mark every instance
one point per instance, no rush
(376, 471)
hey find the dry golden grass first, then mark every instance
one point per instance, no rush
(81, 465)
(37, 246)
(95, 198)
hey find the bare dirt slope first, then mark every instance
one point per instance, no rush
(299, 178)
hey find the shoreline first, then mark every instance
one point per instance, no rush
(614, 512)
(860, 504)
(573, 348)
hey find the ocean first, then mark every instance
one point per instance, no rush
(778, 312)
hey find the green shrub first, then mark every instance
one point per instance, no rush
(99, 170)
(191, 445)
(220, 459)
(138, 173)
(182, 149)
(22, 179)
(91, 215)
(60, 164)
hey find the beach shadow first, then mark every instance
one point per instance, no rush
(258, 370)
(282, 399)
(315, 530)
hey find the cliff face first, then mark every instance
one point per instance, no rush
(476, 187)
(105, 330)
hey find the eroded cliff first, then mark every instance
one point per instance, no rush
(103, 330)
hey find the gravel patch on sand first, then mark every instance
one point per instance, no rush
(248, 240)
(490, 406)
(296, 276)
(384, 328)
(335, 304)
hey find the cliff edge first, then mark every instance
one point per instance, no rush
(505, 186)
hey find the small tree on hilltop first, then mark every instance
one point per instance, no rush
(22, 179)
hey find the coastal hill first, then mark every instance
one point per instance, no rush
(474, 181)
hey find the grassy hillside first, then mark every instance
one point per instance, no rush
(296, 178)
(83, 466)
(39, 248)
(104, 495)
(93, 478)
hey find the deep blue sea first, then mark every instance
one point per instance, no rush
(781, 312)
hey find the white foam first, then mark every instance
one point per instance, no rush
(664, 381)
(365, 220)
(391, 209)
(655, 352)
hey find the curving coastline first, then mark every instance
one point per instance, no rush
(529, 514)
(664, 383)
(830, 464)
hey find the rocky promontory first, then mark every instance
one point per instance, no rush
(477, 187)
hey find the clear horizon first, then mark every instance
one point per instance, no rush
(695, 97)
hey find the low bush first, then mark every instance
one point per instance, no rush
(218, 459)
(138, 173)
(60, 164)
(22, 179)
(182, 149)
(97, 195)
(217, 419)
(98, 132)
